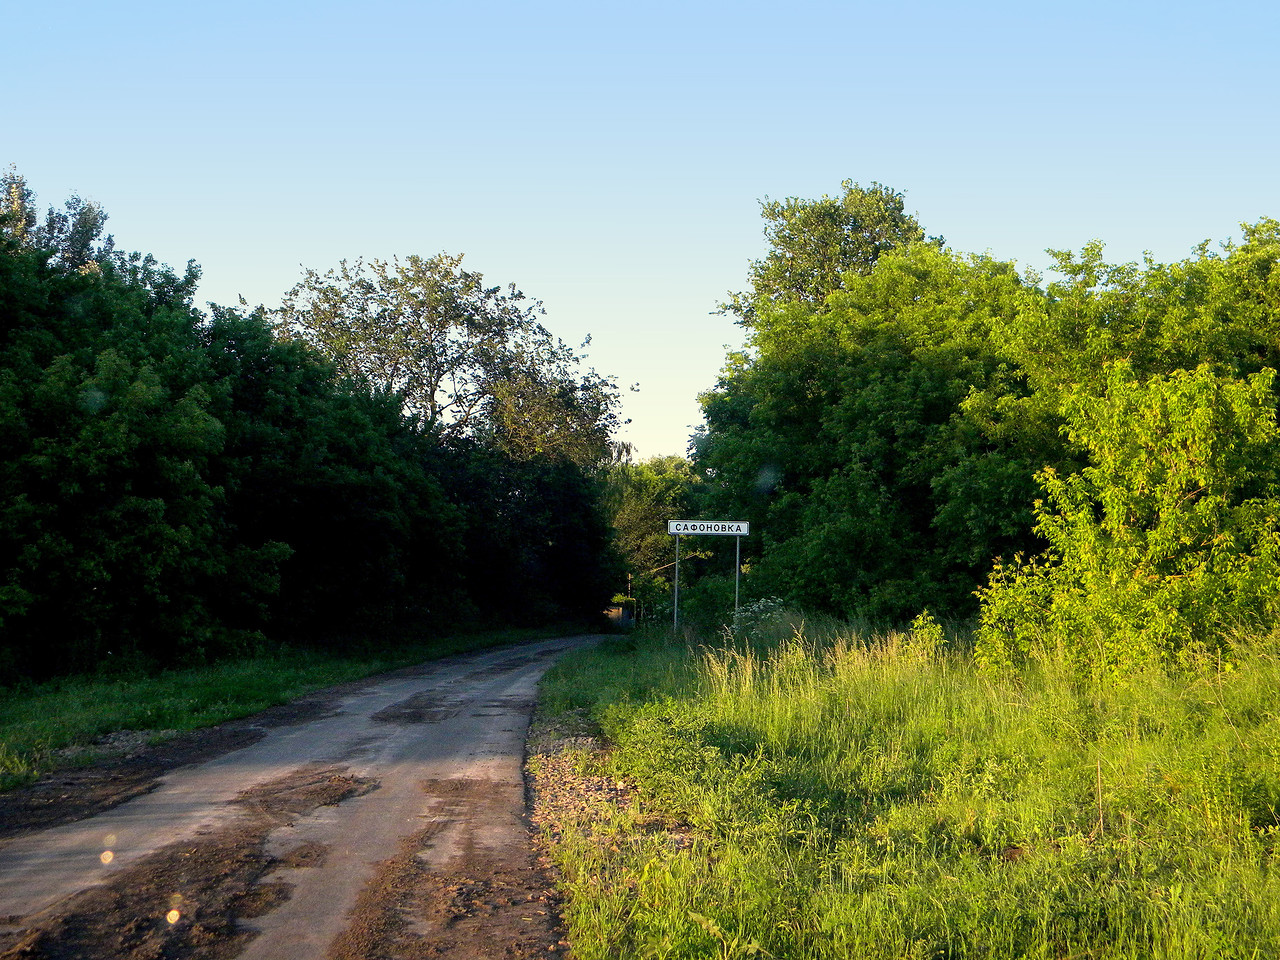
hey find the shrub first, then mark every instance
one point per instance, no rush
(1164, 543)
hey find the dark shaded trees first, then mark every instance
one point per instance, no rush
(111, 528)
(175, 484)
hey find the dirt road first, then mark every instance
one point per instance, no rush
(383, 819)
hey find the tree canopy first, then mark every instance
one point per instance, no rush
(813, 244)
(72, 237)
(467, 359)
(905, 420)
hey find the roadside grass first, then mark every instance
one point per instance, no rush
(877, 796)
(39, 719)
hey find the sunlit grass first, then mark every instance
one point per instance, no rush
(875, 797)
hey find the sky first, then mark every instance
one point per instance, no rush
(610, 159)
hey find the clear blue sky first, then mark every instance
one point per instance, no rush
(609, 158)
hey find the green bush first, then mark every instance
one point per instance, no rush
(1164, 543)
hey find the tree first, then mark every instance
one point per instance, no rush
(815, 243)
(465, 358)
(640, 498)
(1167, 539)
(73, 236)
(843, 437)
(111, 531)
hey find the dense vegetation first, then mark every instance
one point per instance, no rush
(1085, 473)
(176, 484)
(899, 426)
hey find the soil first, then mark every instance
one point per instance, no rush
(485, 904)
(219, 875)
(470, 882)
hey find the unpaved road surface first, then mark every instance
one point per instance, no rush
(382, 819)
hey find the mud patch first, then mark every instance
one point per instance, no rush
(306, 854)
(115, 777)
(70, 795)
(184, 900)
(425, 707)
(480, 905)
(498, 669)
(301, 792)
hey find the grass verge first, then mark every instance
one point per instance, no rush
(880, 797)
(39, 720)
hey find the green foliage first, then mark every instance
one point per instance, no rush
(619, 669)
(641, 498)
(814, 243)
(852, 798)
(845, 441)
(466, 358)
(174, 485)
(1165, 539)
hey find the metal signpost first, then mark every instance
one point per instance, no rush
(707, 528)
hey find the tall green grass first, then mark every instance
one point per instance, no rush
(880, 797)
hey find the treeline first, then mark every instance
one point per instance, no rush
(1087, 465)
(176, 485)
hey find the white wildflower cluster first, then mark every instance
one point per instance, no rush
(750, 619)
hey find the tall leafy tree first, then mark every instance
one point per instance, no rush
(813, 244)
(843, 436)
(466, 358)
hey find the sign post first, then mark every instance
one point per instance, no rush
(675, 604)
(707, 528)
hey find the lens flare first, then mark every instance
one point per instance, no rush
(107, 857)
(173, 916)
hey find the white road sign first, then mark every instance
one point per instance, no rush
(709, 528)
